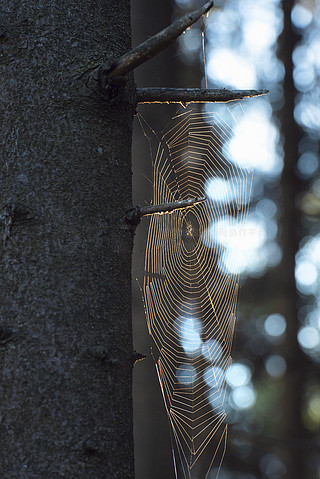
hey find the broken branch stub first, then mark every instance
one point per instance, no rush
(193, 95)
(151, 47)
(135, 214)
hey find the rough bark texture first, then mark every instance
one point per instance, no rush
(65, 288)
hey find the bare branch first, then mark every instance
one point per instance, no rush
(134, 215)
(153, 45)
(169, 207)
(193, 95)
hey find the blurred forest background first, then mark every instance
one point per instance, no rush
(273, 395)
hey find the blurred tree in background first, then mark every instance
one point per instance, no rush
(273, 397)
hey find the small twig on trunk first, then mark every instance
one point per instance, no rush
(169, 207)
(151, 47)
(136, 357)
(135, 214)
(193, 95)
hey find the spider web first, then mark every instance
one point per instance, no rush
(190, 300)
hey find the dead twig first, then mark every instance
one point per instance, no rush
(112, 71)
(135, 214)
(193, 95)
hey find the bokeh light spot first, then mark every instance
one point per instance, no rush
(186, 374)
(301, 17)
(309, 337)
(231, 69)
(306, 275)
(256, 151)
(243, 397)
(272, 466)
(238, 375)
(314, 408)
(213, 376)
(189, 330)
(211, 350)
(275, 325)
(308, 164)
(275, 366)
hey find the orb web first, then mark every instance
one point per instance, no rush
(190, 300)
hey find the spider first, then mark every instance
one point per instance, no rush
(189, 229)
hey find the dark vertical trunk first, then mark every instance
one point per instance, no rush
(149, 17)
(152, 439)
(65, 285)
(290, 232)
(152, 433)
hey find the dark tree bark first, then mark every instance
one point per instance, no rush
(152, 437)
(65, 281)
(293, 386)
(158, 71)
(152, 434)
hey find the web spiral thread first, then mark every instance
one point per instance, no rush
(190, 301)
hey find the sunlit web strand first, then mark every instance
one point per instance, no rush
(190, 301)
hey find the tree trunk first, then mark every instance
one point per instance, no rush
(65, 305)
(152, 431)
(152, 437)
(292, 400)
